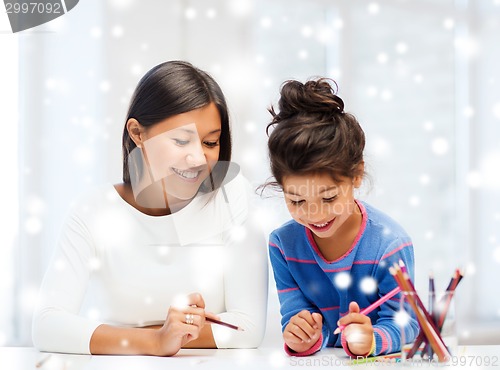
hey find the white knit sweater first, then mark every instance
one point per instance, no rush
(116, 265)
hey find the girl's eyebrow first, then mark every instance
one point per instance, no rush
(320, 192)
(328, 189)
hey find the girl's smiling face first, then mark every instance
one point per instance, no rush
(320, 203)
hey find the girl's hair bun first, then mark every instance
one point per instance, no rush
(311, 133)
(313, 97)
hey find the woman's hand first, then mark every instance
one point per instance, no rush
(182, 325)
(358, 331)
(303, 330)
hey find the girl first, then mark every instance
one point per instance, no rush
(332, 259)
(140, 264)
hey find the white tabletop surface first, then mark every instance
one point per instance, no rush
(17, 358)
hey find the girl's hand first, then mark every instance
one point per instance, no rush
(358, 331)
(182, 325)
(303, 330)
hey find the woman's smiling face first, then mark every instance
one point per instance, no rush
(318, 202)
(182, 150)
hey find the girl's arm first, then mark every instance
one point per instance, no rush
(292, 300)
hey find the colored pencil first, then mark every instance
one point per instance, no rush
(406, 278)
(218, 322)
(445, 302)
(42, 361)
(432, 310)
(423, 317)
(374, 305)
(452, 285)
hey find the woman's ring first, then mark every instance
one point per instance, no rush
(189, 319)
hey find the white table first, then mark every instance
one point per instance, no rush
(21, 358)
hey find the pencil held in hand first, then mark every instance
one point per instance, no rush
(234, 327)
(374, 305)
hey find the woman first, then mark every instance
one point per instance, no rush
(141, 265)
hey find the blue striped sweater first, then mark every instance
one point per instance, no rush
(306, 280)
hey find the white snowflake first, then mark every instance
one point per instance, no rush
(96, 32)
(373, 8)
(117, 31)
(211, 13)
(402, 318)
(496, 110)
(342, 280)
(33, 225)
(440, 146)
(414, 201)
(190, 13)
(401, 48)
(496, 254)
(449, 23)
(240, 8)
(368, 285)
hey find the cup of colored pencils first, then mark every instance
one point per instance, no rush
(437, 338)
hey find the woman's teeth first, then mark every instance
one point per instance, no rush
(186, 174)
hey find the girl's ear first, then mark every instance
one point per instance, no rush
(358, 179)
(135, 131)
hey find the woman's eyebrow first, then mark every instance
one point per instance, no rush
(190, 131)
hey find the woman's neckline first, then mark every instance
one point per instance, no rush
(125, 194)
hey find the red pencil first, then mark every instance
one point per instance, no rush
(234, 327)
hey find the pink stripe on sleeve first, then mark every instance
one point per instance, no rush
(329, 308)
(402, 246)
(300, 261)
(287, 290)
(367, 262)
(385, 344)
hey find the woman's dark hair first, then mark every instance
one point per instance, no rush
(312, 133)
(172, 88)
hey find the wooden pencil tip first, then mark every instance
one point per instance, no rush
(336, 331)
(42, 361)
(401, 263)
